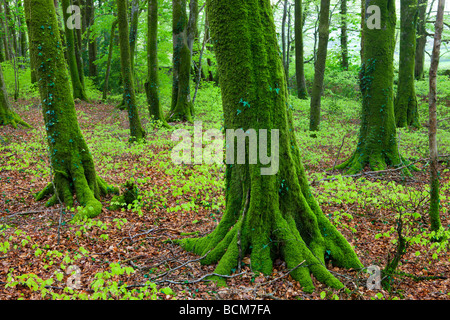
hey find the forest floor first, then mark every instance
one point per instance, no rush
(39, 243)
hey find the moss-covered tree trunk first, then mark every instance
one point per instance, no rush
(302, 92)
(136, 131)
(319, 67)
(274, 215)
(181, 106)
(377, 142)
(435, 219)
(7, 115)
(78, 89)
(421, 40)
(405, 106)
(71, 162)
(152, 84)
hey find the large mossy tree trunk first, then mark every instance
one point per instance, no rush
(78, 89)
(137, 133)
(7, 115)
(405, 105)
(71, 162)
(377, 142)
(302, 91)
(319, 66)
(181, 106)
(152, 84)
(274, 215)
(421, 40)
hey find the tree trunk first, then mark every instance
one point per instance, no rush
(77, 86)
(181, 106)
(377, 146)
(134, 21)
(435, 220)
(108, 63)
(152, 84)
(266, 215)
(405, 105)
(344, 37)
(71, 162)
(421, 40)
(283, 33)
(302, 92)
(136, 132)
(7, 115)
(92, 41)
(319, 73)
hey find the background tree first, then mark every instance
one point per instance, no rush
(152, 84)
(377, 142)
(319, 66)
(137, 133)
(181, 106)
(266, 215)
(71, 162)
(344, 36)
(7, 115)
(302, 91)
(78, 89)
(421, 39)
(405, 106)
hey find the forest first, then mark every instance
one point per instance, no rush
(224, 150)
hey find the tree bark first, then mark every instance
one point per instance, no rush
(377, 142)
(136, 131)
(319, 67)
(71, 162)
(266, 216)
(435, 220)
(405, 106)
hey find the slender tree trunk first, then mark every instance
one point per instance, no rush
(77, 86)
(302, 92)
(344, 37)
(283, 33)
(152, 84)
(434, 174)
(405, 106)
(363, 19)
(421, 40)
(134, 21)
(181, 106)
(71, 162)
(273, 214)
(92, 41)
(108, 63)
(377, 142)
(319, 74)
(136, 131)
(7, 115)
